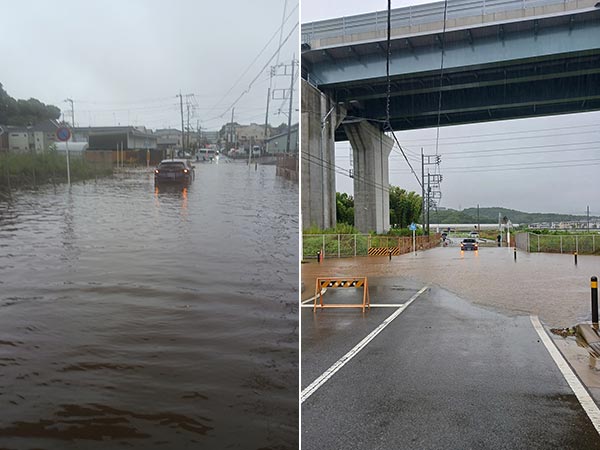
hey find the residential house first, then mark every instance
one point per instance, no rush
(278, 144)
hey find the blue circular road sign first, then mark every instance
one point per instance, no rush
(63, 134)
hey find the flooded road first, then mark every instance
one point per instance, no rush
(141, 318)
(547, 285)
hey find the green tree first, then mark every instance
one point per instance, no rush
(344, 205)
(24, 112)
(405, 207)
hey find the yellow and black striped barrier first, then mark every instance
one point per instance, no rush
(342, 282)
(383, 251)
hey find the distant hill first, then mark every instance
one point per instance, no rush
(490, 215)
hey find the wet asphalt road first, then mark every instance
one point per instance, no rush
(444, 375)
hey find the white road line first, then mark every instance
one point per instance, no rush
(373, 305)
(580, 391)
(312, 299)
(312, 388)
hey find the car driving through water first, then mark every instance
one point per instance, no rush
(174, 171)
(469, 244)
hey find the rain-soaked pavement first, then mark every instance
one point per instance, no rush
(461, 367)
(150, 318)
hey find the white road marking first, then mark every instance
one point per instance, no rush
(580, 391)
(373, 305)
(312, 299)
(312, 388)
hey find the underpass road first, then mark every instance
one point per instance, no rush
(445, 374)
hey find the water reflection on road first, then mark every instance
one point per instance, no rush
(548, 285)
(151, 317)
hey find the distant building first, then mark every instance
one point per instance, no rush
(125, 138)
(33, 139)
(3, 140)
(250, 134)
(278, 144)
(168, 138)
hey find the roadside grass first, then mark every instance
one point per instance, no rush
(32, 170)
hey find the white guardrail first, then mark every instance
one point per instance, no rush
(413, 15)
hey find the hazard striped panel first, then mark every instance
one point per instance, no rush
(325, 283)
(352, 282)
(383, 251)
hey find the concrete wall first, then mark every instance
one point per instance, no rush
(318, 157)
(18, 141)
(371, 150)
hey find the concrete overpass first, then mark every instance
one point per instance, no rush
(503, 59)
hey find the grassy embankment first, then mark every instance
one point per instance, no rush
(32, 170)
(554, 241)
(350, 240)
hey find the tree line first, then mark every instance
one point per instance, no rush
(405, 207)
(24, 112)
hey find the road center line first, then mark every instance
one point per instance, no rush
(312, 299)
(312, 388)
(580, 391)
(372, 305)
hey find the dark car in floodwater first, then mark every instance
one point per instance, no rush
(469, 244)
(174, 171)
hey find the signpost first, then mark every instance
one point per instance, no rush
(63, 134)
(413, 228)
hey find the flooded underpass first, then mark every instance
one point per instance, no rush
(151, 318)
(448, 341)
(548, 285)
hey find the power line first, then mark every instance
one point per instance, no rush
(260, 72)
(524, 164)
(482, 170)
(255, 59)
(562, 150)
(505, 132)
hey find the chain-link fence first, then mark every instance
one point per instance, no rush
(347, 245)
(562, 243)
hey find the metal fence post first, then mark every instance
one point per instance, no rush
(339, 245)
(355, 245)
(593, 243)
(323, 245)
(538, 242)
(561, 244)
(577, 243)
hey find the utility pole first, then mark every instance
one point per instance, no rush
(231, 130)
(423, 188)
(287, 147)
(428, 200)
(267, 117)
(188, 122)
(69, 100)
(588, 219)
(182, 129)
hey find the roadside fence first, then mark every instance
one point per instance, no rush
(349, 245)
(584, 244)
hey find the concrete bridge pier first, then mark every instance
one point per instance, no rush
(371, 150)
(320, 118)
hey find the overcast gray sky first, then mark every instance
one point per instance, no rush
(123, 62)
(537, 142)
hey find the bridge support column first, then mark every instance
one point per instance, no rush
(320, 117)
(371, 150)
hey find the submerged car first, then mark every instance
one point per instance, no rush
(174, 171)
(469, 244)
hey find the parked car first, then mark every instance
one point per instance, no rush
(469, 244)
(174, 171)
(474, 234)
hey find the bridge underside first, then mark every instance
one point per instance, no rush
(499, 92)
(526, 68)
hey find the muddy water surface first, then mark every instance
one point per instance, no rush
(135, 317)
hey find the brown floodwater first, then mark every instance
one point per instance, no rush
(145, 318)
(547, 285)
